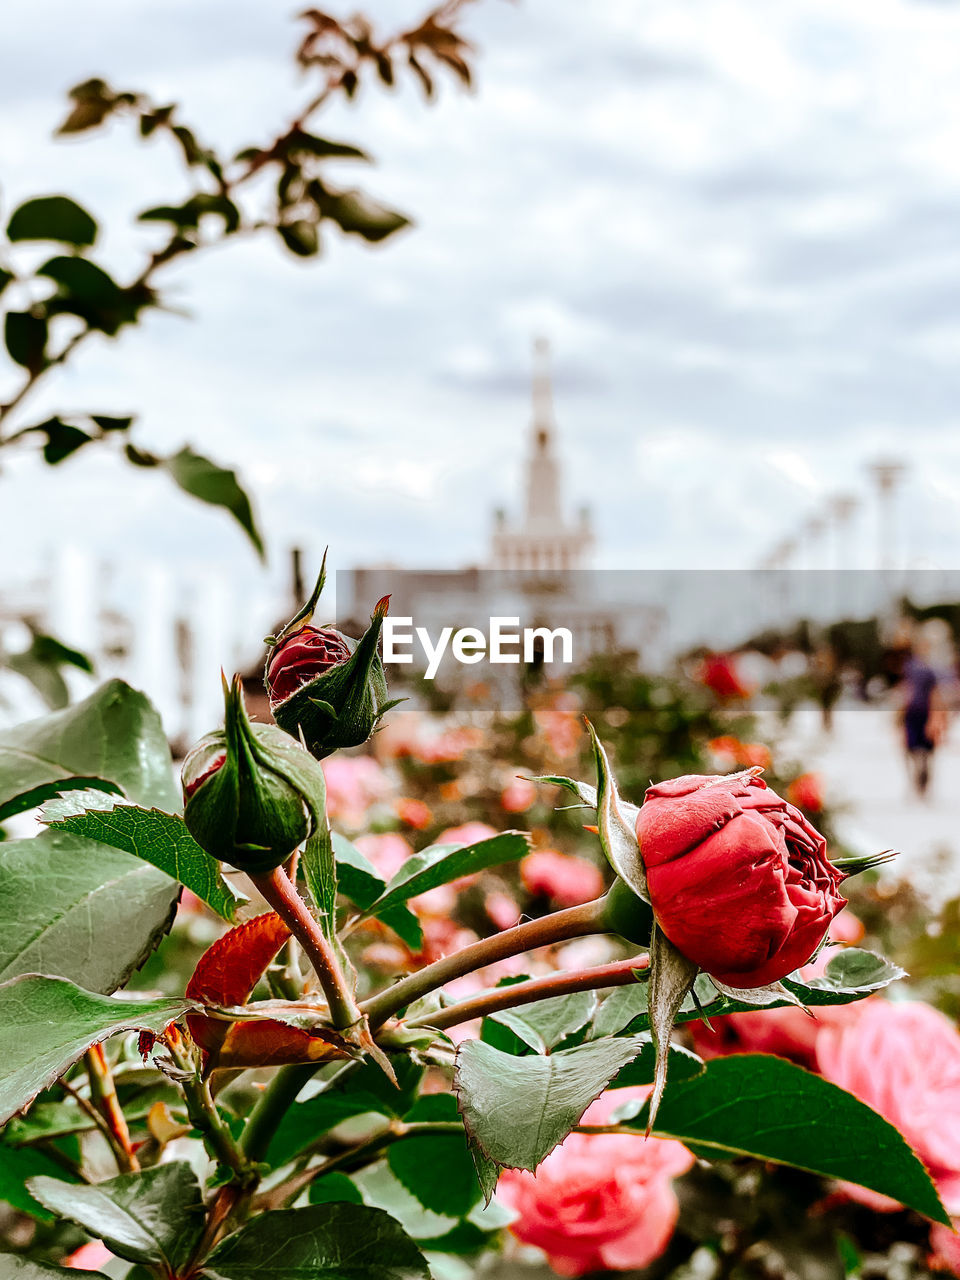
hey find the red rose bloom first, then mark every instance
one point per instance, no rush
(308, 653)
(739, 880)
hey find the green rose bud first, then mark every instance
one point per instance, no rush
(251, 795)
(327, 689)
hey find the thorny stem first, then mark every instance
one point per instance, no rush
(619, 974)
(575, 922)
(103, 1095)
(281, 894)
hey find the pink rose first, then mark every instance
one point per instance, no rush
(354, 783)
(467, 833)
(599, 1201)
(903, 1059)
(388, 852)
(518, 795)
(565, 879)
(93, 1254)
(944, 1249)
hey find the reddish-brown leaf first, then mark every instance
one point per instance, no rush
(229, 970)
(268, 1043)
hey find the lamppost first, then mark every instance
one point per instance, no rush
(887, 473)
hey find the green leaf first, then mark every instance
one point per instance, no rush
(334, 1188)
(18, 1268)
(518, 1109)
(365, 1090)
(161, 839)
(357, 879)
(299, 142)
(63, 439)
(217, 485)
(16, 1166)
(436, 1168)
(356, 213)
(113, 740)
(683, 1063)
(761, 1106)
(5, 278)
(97, 917)
(47, 1023)
(300, 237)
(41, 663)
(87, 291)
(442, 863)
(154, 1216)
(25, 336)
(52, 218)
(544, 1024)
(335, 1241)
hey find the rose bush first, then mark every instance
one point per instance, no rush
(353, 1072)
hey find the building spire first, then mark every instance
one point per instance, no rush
(543, 419)
(543, 472)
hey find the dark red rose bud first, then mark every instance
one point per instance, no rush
(739, 880)
(301, 658)
(201, 768)
(326, 689)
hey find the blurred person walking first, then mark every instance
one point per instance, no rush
(922, 710)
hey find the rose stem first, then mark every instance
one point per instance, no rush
(103, 1093)
(619, 974)
(280, 893)
(575, 922)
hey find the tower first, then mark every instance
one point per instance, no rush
(543, 542)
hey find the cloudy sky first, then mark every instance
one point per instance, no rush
(736, 221)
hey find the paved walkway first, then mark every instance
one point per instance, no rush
(865, 779)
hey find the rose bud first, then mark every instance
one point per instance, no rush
(251, 795)
(738, 879)
(326, 689)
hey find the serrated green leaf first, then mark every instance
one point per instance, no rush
(52, 218)
(112, 740)
(518, 1109)
(154, 1216)
(217, 485)
(436, 1168)
(441, 863)
(99, 915)
(545, 1023)
(337, 1241)
(762, 1106)
(159, 838)
(47, 1023)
